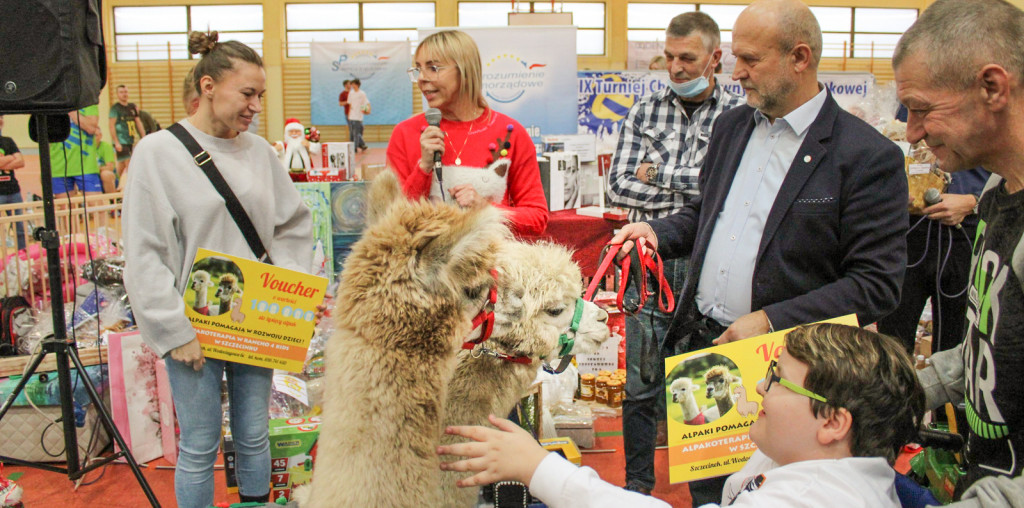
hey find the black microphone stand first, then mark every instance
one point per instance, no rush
(65, 349)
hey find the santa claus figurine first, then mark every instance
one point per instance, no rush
(295, 151)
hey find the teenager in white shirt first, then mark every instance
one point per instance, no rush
(837, 405)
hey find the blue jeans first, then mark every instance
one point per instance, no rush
(197, 402)
(19, 227)
(644, 404)
(355, 132)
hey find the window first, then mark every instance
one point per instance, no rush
(883, 27)
(856, 27)
(143, 33)
(391, 21)
(588, 17)
(647, 22)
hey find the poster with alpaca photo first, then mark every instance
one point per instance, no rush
(250, 312)
(711, 400)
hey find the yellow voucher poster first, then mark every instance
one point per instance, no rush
(712, 400)
(248, 312)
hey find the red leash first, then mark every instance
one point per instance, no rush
(637, 265)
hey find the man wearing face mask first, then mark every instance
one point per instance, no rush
(661, 148)
(802, 208)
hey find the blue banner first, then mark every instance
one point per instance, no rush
(379, 66)
(604, 97)
(529, 74)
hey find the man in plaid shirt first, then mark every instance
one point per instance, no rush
(661, 148)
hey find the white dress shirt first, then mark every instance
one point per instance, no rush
(724, 286)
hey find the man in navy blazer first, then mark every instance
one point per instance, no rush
(802, 208)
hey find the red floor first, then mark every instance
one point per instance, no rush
(118, 488)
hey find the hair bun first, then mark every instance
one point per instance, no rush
(202, 43)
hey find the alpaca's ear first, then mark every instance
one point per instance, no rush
(384, 191)
(458, 252)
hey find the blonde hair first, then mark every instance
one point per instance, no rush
(460, 48)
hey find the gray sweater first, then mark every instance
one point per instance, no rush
(171, 209)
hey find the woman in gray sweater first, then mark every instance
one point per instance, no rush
(170, 210)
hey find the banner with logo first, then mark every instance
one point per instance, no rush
(848, 88)
(529, 74)
(379, 66)
(604, 97)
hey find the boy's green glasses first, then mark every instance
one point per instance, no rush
(772, 377)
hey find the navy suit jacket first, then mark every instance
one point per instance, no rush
(834, 241)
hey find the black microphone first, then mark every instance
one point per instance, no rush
(932, 196)
(434, 118)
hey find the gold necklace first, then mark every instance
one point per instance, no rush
(458, 154)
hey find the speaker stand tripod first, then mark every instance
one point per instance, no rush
(65, 349)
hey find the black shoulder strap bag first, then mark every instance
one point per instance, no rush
(205, 162)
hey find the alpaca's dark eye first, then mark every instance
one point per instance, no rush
(474, 292)
(555, 312)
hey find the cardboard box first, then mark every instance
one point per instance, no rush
(582, 434)
(560, 176)
(292, 453)
(337, 164)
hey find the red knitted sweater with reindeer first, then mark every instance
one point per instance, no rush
(478, 144)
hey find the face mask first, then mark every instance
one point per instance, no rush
(691, 88)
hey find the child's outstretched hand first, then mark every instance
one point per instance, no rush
(505, 453)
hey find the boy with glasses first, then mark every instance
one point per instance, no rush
(838, 404)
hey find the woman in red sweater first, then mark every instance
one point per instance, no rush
(487, 156)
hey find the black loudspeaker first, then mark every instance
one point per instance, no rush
(52, 57)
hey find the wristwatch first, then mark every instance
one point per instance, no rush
(977, 201)
(652, 172)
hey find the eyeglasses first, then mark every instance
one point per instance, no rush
(772, 377)
(429, 72)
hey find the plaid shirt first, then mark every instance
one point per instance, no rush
(658, 130)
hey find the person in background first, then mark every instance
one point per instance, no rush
(837, 406)
(939, 259)
(73, 162)
(662, 144)
(189, 94)
(358, 106)
(11, 160)
(968, 106)
(148, 122)
(658, 63)
(125, 128)
(106, 161)
(170, 210)
(471, 135)
(802, 209)
(343, 102)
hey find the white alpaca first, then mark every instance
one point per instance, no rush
(200, 282)
(407, 294)
(538, 289)
(682, 393)
(744, 406)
